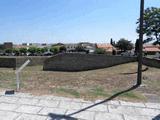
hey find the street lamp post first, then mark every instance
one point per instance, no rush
(139, 74)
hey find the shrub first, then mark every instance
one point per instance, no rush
(100, 51)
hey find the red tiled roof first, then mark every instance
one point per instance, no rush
(106, 46)
(151, 48)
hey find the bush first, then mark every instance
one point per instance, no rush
(32, 50)
(62, 49)
(23, 51)
(54, 50)
(16, 51)
(100, 51)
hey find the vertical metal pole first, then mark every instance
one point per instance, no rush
(139, 75)
(17, 80)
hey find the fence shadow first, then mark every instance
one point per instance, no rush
(106, 100)
(68, 116)
(60, 117)
(145, 69)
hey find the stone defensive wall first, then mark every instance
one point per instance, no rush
(14, 61)
(81, 62)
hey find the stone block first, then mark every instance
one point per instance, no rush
(28, 109)
(46, 111)
(7, 106)
(31, 117)
(48, 103)
(5, 115)
(108, 116)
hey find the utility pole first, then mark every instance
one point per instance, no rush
(139, 74)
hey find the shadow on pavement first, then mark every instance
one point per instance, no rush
(157, 117)
(67, 117)
(106, 100)
(134, 72)
(60, 117)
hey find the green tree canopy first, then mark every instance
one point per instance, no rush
(54, 50)
(23, 50)
(16, 51)
(151, 25)
(124, 44)
(8, 50)
(32, 50)
(43, 50)
(100, 51)
(62, 49)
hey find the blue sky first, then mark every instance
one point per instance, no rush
(69, 21)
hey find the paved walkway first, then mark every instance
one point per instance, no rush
(22, 106)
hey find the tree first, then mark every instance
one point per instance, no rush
(124, 45)
(100, 51)
(32, 50)
(137, 47)
(62, 49)
(23, 51)
(38, 51)
(111, 41)
(8, 50)
(151, 25)
(43, 50)
(54, 50)
(16, 51)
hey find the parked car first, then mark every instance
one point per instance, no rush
(128, 53)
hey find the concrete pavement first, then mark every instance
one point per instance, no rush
(24, 106)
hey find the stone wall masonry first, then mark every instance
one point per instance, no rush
(81, 62)
(14, 61)
(151, 62)
(8, 62)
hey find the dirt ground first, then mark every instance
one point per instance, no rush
(90, 85)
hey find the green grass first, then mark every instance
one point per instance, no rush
(98, 91)
(68, 91)
(130, 95)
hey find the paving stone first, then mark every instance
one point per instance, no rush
(113, 102)
(108, 116)
(85, 115)
(31, 117)
(28, 101)
(80, 100)
(25, 95)
(153, 105)
(70, 105)
(121, 109)
(2, 93)
(75, 105)
(48, 103)
(147, 111)
(46, 111)
(44, 97)
(132, 104)
(8, 99)
(5, 115)
(131, 117)
(62, 98)
(28, 109)
(7, 106)
(100, 107)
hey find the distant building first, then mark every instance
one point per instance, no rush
(151, 49)
(107, 47)
(90, 47)
(7, 45)
(1, 46)
(20, 46)
(71, 47)
(24, 44)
